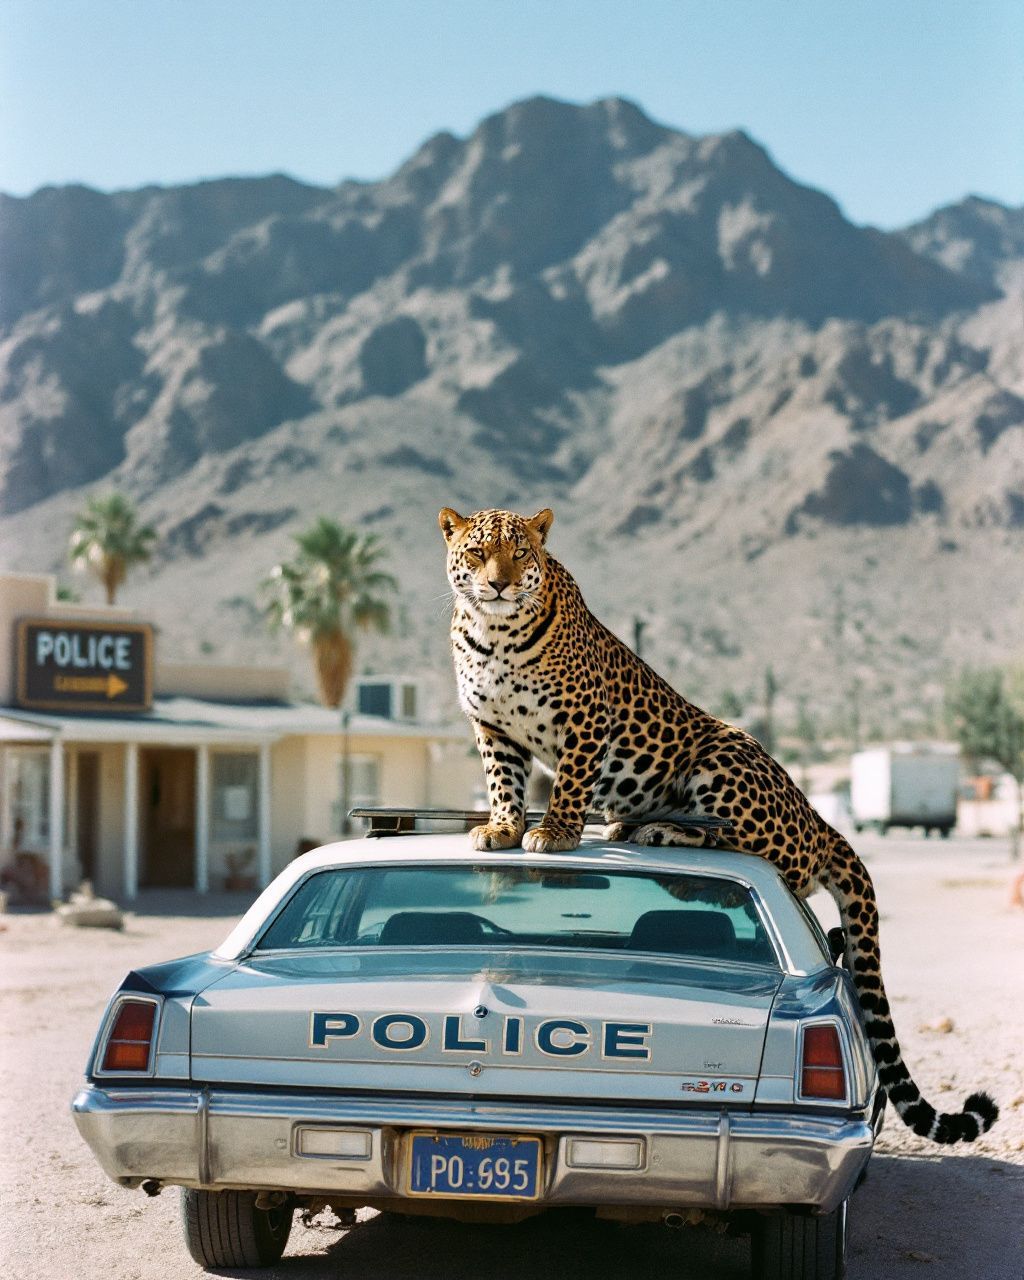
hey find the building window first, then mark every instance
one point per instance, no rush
(234, 778)
(29, 799)
(409, 702)
(363, 780)
(363, 786)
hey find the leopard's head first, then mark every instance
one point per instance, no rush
(496, 559)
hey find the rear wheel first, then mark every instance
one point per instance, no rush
(799, 1246)
(225, 1229)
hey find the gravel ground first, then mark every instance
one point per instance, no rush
(952, 948)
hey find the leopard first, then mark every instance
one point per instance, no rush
(540, 677)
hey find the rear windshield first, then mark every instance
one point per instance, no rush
(444, 906)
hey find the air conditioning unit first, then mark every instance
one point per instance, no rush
(386, 696)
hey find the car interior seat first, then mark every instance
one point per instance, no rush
(685, 933)
(431, 929)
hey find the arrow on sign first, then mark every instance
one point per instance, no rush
(115, 686)
(110, 684)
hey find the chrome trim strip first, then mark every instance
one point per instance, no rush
(722, 1162)
(395, 1111)
(502, 1063)
(203, 1134)
(445, 948)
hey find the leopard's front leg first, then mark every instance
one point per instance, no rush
(579, 766)
(506, 766)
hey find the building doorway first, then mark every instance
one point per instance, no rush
(87, 811)
(167, 800)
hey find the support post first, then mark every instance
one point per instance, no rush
(131, 819)
(56, 818)
(202, 878)
(71, 825)
(6, 799)
(263, 829)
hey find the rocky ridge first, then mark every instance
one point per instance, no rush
(778, 436)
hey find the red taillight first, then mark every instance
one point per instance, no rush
(821, 1072)
(130, 1037)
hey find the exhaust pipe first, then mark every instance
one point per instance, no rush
(673, 1220)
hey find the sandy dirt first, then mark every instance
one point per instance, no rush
(952, 950)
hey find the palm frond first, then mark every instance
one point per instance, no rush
(329, 587)
(108, 539)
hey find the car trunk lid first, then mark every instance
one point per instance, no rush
(464, 1021)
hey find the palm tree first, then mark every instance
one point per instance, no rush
(109, 540)
(330, 586)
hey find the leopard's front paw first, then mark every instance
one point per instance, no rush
(495, 835)
(617, 831)
(671, 835)
(552, 837)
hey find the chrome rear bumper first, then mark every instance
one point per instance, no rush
(713, 1159)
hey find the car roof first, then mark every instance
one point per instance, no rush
(594, 853)
(593, 849)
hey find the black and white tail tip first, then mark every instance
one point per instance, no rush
(977, 1117)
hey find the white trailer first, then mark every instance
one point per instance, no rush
(910, 786)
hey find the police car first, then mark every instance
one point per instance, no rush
(403, 1023)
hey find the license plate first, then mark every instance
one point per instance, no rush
(480, 1166)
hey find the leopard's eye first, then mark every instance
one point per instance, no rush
(475, 551)
(520, 553)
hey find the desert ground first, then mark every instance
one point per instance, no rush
(954, 961)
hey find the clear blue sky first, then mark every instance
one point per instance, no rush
(892, 106)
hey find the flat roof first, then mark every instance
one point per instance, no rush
(196, 720)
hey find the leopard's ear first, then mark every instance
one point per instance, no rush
(451, 523)
(541, 523)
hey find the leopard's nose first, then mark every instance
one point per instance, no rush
(498, 584)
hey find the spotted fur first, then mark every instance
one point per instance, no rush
(539, 675)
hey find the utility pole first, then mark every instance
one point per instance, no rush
(346, 822)
(771, 687)
(639, 627)
(855, 692)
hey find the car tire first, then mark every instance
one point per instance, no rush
(225, 1229)
(788, 1245)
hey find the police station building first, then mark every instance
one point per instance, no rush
(128, 770)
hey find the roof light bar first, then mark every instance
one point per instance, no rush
(384, 821)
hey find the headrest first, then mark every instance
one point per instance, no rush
(431, 929)
(695, 933)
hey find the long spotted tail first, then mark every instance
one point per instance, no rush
(850, 885)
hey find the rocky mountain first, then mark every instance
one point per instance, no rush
(977, 238)
(777, 436)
